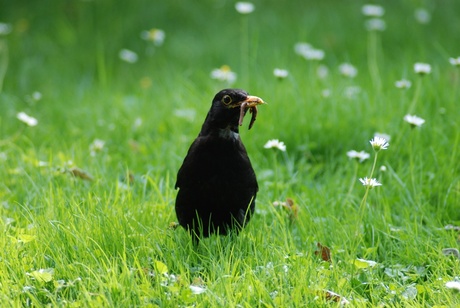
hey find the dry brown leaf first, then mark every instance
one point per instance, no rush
(290, 206)
(80, 173)
(173, 225)
(332, 296)
(324, 252)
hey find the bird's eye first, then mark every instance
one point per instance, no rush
(226, 99)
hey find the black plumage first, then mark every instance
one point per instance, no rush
(217, 184)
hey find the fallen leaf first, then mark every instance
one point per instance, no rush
(332, 296)
(80, 173)
(160, 267)
(25, 238)
(362, 263)
(324, 252)
(290, 206)
(43, 275)
(173, 225)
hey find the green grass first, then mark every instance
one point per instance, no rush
(71, 242)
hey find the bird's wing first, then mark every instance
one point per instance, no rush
(187, 166)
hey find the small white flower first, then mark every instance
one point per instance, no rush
(322, 71)
(23, 117)
(361, 156)
(157, 36)
(137, 123)
(275, 143)
(5, 28)
(280, 73)
(313, 54)
(348, 70)
(375, 24)
(301, 47)
(96, 146)
(422, 68)
(455, 285)
(128, 56)
(308, 52)
(197, 290)
(379, 143)
(372, 10)
(413, 120)
(244, 7)
(455, 61)
(36, 96)
(383, 168)
(224, 73)
(383, 135)
(370, 182)
(326, 93)
(403, 84)
(422, 16)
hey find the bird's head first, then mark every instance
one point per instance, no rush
(229, 107)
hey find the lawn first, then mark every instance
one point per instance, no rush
(100, 100)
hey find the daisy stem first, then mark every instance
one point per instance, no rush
(3, 61)
(454, 92)
(416, 95)
(362, 206)
(372, 60)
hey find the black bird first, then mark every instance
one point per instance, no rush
(217, 184)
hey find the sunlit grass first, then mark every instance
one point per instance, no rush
(87, 191)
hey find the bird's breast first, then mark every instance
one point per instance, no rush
(228, 134)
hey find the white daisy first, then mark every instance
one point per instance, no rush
(280, 73)
(361, 156)
(370, 182)
(301, 47)
(275, 143)
(422, 68)
(375, 24)
(5, 28)
(422, 16)
(128, 56)
(157, 36)
(348, 70)
(379, 143)
(313, 54)
(372, 10)
(96, 146)
(413, 120)
(455, 61)
(403, 84)
(244, 7)
(322, 71)
(24, 117)
(224, 73)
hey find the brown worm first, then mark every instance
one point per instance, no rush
(243, 110)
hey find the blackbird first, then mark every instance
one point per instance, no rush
(217, 184)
